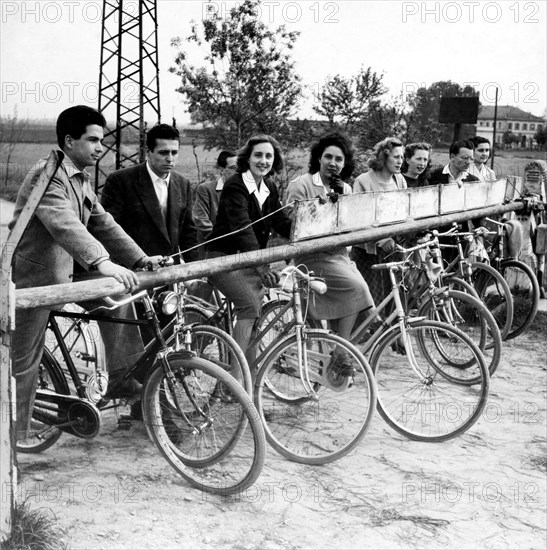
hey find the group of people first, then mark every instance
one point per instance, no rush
(147, 212)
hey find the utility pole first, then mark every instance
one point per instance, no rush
(129, 88)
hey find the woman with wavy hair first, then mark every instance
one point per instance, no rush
(248, 208)
(331, 162)
(416, 164)
(384, 175)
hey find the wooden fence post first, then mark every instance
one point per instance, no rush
(8, 470)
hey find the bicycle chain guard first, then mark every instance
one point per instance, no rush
(70, 414)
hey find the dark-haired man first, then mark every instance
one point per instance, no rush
(68, 224)
(457, 170)
(208, 195)
(151, 201)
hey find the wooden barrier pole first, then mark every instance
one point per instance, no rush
(107, 286)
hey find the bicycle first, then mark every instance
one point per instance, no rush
(478, 279)
(423, 292)
(521, 279)
(314, 391)
(421, 295)
(216, 444)
(432, 378)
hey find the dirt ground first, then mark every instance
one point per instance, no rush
(485, 489)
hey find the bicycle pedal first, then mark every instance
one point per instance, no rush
(124, 422)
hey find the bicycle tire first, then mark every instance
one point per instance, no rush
(221, 452)
(471, 316)
(50, 377)
(213, 344)
(524, 288)
(494, 292)
(324, 427)
(428, 404)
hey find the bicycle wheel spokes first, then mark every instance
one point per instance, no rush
(215, 345)
(439, 403)
(469, 315)
(320, 426)
(205, 425)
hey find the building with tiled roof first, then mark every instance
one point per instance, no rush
(520, 123)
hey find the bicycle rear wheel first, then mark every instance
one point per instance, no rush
(320, 426)
(420, 393)
(494, 292)
(524, 288)
(215, 345)
(43, 436)
(217, 446)
(469, 315)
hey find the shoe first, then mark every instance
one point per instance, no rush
(341, 365)
(120, 388)
(398, 347)
(136, 410)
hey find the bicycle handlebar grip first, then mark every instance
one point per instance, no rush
(318, 286)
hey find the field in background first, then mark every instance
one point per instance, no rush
(197, 163)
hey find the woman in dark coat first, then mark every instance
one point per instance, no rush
(249, 207)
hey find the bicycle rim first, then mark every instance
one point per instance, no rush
(320, 428)
(437, 402)
(495, 294)
(524, 288)
(469, 315)
(218, 347)
(219, 447)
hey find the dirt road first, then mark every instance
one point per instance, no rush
(485, 489)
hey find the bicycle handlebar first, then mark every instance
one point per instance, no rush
(113, 304)
(316, 284)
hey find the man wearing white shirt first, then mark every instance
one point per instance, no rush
(457, 170)
(151, 201)
(481, 155)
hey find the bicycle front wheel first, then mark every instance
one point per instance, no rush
(421, 394)
(326, 420)
(524, 288)
(216, 444)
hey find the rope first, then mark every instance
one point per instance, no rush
(290, 205)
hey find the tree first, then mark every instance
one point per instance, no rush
(541, 137)
(249, 84)
(381, 120)
(346, 101)
(11, 130)
(424, 122)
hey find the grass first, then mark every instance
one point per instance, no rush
(197, 164)
(34, 530)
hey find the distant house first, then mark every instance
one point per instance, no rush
(521, 124)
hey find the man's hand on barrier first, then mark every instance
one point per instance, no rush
(125, 276)
(268, 277)
(153, 263)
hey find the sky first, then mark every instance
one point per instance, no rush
(50, 50)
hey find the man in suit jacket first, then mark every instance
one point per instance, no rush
(68, 224)
(208, 196)
(457, 170)
(152, 202)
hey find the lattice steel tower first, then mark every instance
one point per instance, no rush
(129, 88)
